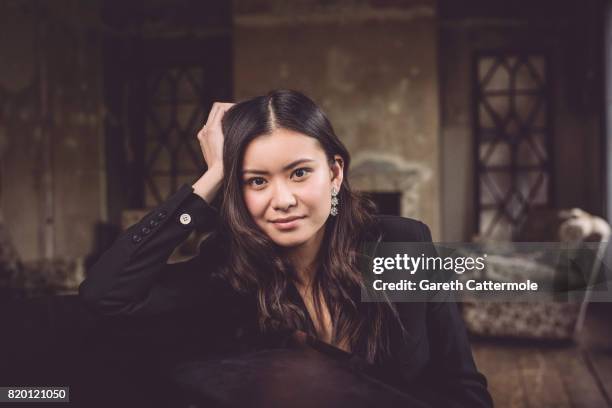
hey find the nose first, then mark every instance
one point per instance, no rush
(283, 197)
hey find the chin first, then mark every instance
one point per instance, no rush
(288, 240)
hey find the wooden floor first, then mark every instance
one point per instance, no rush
(533, 375)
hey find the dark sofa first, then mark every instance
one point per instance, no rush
(56, 341)
(163, 362)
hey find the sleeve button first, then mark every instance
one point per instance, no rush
(161, 215)
(145, 230)
(136, 238)
(153, 223)
(185, 219)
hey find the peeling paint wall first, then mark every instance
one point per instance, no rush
(372, 67)
(50, 127)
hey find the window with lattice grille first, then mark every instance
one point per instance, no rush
(513, 135)
(175, 113)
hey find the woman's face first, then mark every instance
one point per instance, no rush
(287, 183)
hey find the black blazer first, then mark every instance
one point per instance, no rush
(133, 280)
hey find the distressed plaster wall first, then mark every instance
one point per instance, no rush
(372, 68)
(50, 97)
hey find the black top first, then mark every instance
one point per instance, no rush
(207, 319)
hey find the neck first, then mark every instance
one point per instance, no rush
(305, 259)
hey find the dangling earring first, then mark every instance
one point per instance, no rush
(334, 202)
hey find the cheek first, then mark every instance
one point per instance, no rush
(254, 203)
(318, 193)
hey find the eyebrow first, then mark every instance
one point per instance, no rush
(287, 167)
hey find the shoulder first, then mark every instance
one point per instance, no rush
(400, 229)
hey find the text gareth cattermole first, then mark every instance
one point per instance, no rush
(427, 263)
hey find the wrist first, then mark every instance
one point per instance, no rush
(207, 186)
(215, 171)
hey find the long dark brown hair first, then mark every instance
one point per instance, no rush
(255, 263)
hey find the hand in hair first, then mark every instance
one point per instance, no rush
(210, 138)
(211, 135)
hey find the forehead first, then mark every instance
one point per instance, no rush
(280, 146)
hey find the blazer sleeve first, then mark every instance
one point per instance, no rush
(453, 371)
(133, 278)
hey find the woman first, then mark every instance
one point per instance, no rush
(280, 262)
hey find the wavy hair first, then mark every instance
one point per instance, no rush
(255, 263)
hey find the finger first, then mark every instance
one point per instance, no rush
(218, 114)
(202, 133)
(213, 119)
(221, 112)
(213, 109)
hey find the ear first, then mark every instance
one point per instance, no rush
(337, 171)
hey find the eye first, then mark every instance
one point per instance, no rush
(256, 181)
(302, 172)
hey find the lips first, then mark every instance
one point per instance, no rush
(287, 223)
(282, 220)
